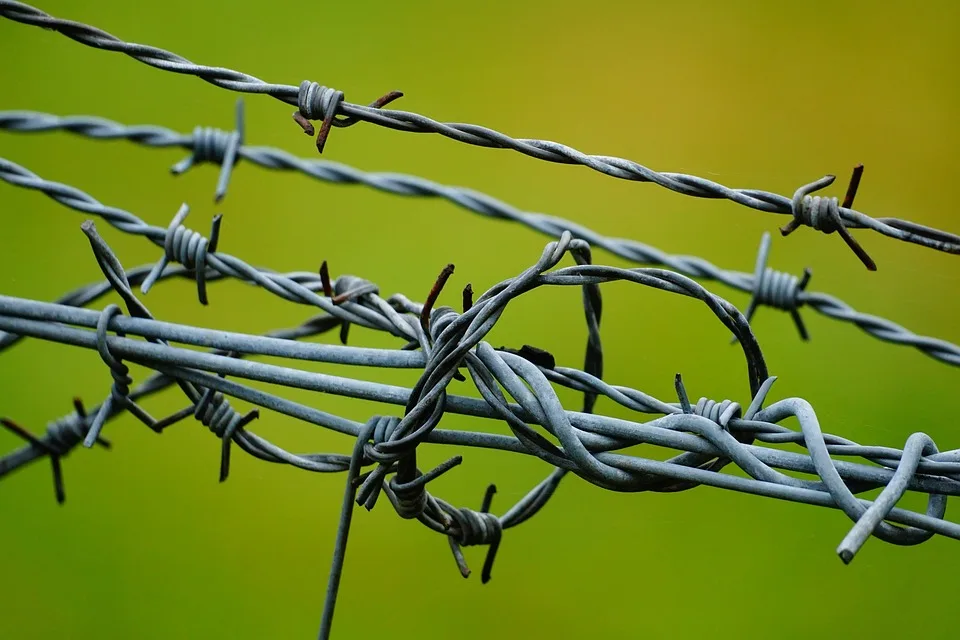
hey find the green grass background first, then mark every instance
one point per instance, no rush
(772, 96)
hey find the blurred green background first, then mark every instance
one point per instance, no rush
(772, 96)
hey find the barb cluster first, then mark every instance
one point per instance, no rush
(518, 385)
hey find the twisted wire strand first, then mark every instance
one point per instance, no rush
(86, 294)
(62, 434)
(515, 385)
(702, 404)
(618, 395)
(65, 433)
(672, 431)
(38, 316)
(598, 472)
(214, 412)
(316, 102)
(477, 529)
(180, 239)
(380, 315)
(74, 313)
(768, 288)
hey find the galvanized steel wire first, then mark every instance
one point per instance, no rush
(768, 286)
(712, 434)
(316, 102)
(517, 386)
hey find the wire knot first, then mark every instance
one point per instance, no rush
(383, 431)
(214, 412)
(62, 436)
(217, 146)
(316, 102)
(64, 433)
(473, 528)
(409, 499)
(371, 483)
(777, 289)
(120, 391)
(719, 412)
(819, 212)
(187, 247)
(118, 370)
(347, 288)
(823, 213)
(408, 495)
(211, 144)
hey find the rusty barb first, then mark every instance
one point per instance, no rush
(317, 102)
(823, 214)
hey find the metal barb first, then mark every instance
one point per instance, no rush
(853, 186)
(188, 248)
(432, 298)
(824, 214)
(218, 147)
(777, 289)
(54, 455)
(467, 297)
(682, 394)
(318, 102)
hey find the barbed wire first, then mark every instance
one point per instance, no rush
(280, 344)
(350, 299)
(768, 286)
(65, 433)
(712, 434)
(316, 102)
(518, 387)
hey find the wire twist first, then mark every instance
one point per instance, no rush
(720, 412)
(215, 412)
(120, 390)
(475, 528)
(316, 102)
(61, 437)
(65, 433)
(823, 213)
(218, 147)
(777, 289)
(188, 248)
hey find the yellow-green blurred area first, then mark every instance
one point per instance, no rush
(753, 95)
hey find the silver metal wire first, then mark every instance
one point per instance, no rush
(517, 386)
(318, 102)
(713, 434)
(767, 286)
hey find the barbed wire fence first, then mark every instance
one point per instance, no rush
(517, 386)
(768, 286)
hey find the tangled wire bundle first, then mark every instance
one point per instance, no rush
(518, 386)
